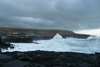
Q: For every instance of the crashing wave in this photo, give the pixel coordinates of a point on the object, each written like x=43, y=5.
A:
x=93, y=37
x=57, y=36
x=60, y=44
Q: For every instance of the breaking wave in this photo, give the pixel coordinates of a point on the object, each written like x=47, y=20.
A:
x=59, y=44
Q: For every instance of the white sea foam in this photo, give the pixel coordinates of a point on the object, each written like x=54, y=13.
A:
x=59, y=44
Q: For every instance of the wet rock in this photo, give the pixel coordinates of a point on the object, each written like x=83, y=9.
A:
x=4, y=45
x=56, y=59
x=5, y=58
x=15, y=63
x=9, y=61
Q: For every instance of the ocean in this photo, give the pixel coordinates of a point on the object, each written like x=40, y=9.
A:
x=89, y=45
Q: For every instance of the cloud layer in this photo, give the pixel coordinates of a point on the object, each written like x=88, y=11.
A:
x=50, y=14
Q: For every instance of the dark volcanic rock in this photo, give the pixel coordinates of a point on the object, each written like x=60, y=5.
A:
x=56, y=59
x=19, y=40
x=8, y=61
x=83, y=36
x=4, y=45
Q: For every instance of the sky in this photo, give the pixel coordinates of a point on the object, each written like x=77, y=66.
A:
x=75, y=15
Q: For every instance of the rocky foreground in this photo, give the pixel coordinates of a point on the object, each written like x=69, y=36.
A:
x=48, y=59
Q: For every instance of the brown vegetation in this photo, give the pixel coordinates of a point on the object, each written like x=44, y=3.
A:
x=37, y=32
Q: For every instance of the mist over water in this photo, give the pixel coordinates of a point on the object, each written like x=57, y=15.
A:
x=59, y=44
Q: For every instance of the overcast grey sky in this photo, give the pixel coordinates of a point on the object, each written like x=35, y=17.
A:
x=50, y=14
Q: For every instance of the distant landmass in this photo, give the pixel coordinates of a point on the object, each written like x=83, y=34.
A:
x=39, y=34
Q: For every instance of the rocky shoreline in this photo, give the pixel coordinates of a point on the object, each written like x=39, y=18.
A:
x=46, y=58
x=4, y=45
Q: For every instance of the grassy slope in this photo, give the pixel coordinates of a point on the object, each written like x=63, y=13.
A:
x=37, y=32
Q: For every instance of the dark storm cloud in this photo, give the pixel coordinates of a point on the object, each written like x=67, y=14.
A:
x=52, y=14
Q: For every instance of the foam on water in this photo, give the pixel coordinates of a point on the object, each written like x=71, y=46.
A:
x=59, y=44
x=57, y=36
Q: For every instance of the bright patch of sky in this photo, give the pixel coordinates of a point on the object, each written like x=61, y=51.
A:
x=91, y=32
